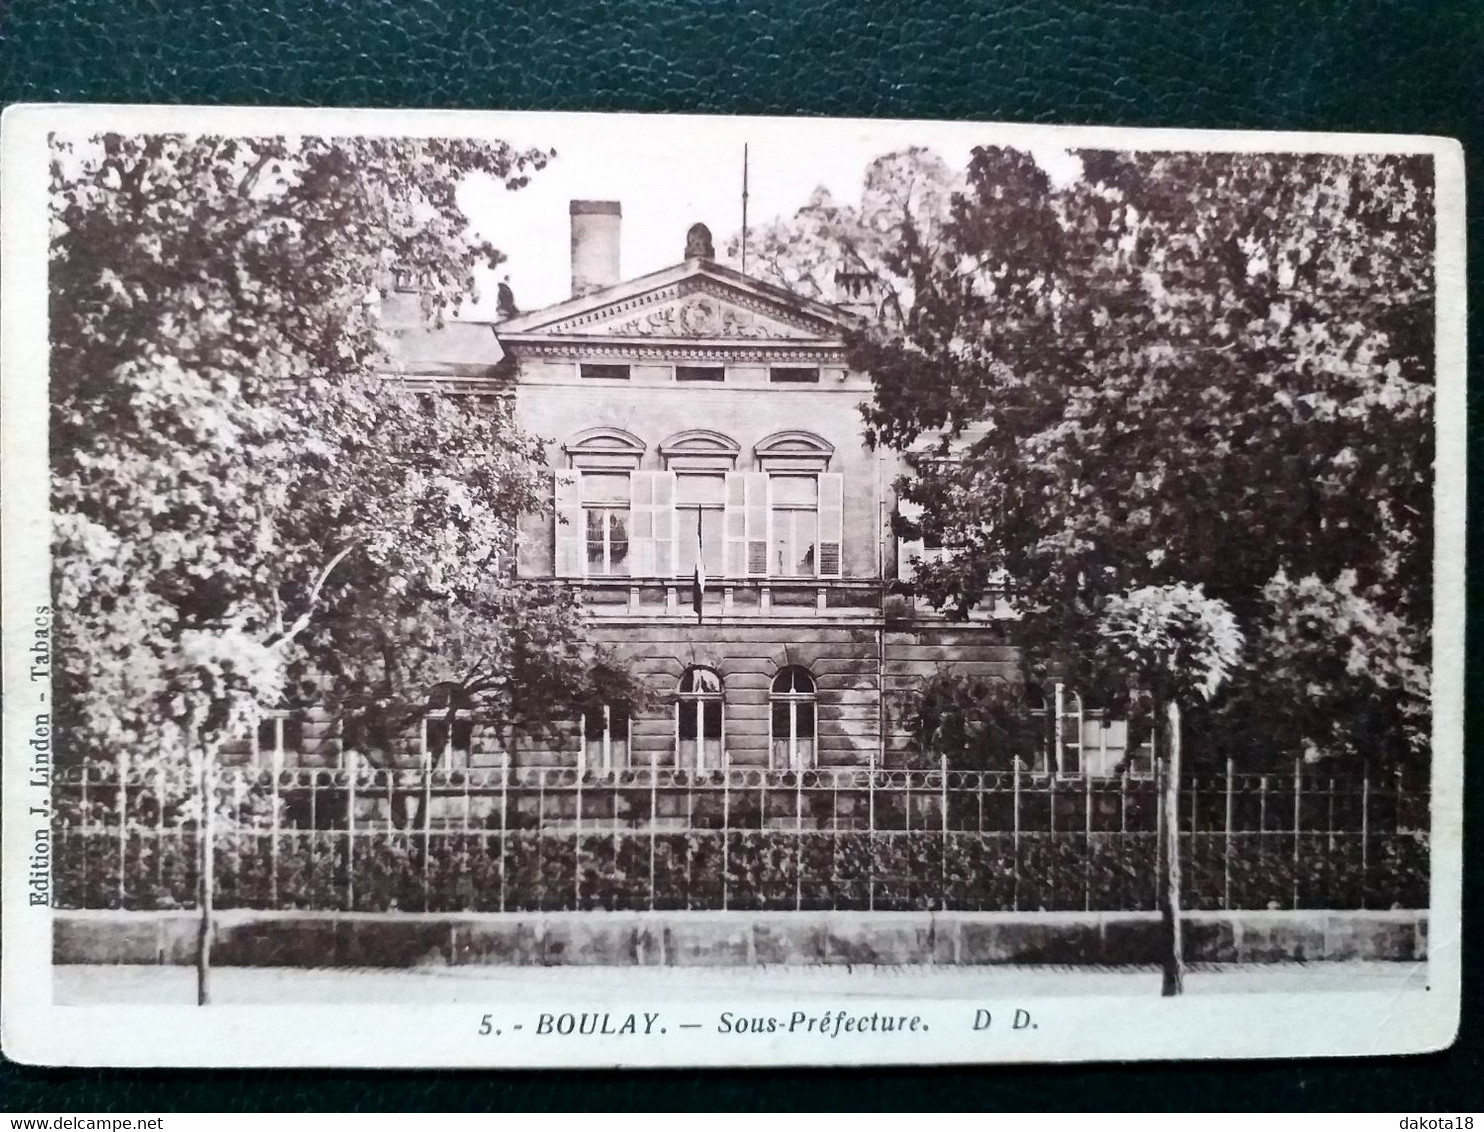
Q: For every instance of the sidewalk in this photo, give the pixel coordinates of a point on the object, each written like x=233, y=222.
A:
x=436, y=986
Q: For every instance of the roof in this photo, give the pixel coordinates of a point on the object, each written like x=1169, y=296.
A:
x=695, y=301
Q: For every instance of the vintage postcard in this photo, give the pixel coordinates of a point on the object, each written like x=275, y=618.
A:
x=495, y=589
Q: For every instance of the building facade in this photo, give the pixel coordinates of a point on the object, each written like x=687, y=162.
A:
x=714, y=501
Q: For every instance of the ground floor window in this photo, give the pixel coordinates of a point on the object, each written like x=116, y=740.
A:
x=792, y=717
x=278, y=735
x=1061, y=724
x=605, y=739
x=699, y=742
x=448, y=729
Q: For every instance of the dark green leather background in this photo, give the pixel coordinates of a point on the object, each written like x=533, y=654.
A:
x=1299, y=64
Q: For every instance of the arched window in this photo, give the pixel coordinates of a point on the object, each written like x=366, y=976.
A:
x=448, y=728
x=698, y=721
x=595, y=503
x=701, y=461
x=605, y=739
x=805, y=505
x=793, y=719
x=279, y=735
x=1061, y=714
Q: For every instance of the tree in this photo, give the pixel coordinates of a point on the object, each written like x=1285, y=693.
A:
x=973, y=722
x=248, y=504
x=1185, y=368
x=847, y=253
x=1175, y=646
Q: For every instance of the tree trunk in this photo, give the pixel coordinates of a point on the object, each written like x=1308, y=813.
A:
x=205, y=867
x=1174, y=957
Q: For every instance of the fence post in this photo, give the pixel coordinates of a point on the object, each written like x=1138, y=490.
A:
x=1159, y=823
x=726, y=831
x=1365, y=836
x=1086, y=841
x=86, y=825
x=1123, y=810
x=654, y=817
x=1123, y=819
x=907, y=792
x=159, y=829
x=834, y=840
x=1015, y=835
x=504, y=821
x=690, y=838
x=275, y=822
x=1051, y=804
x=1329, y=820
x=1226, y=858
x=871, y=840
x=205, y=864
x=798, y=839
x=466, y=855
x=427, y=830
x=541, y=836
x=943, y=770
x=577, y=848
x=123, y=803
x=352, y=769
x=1298, y=786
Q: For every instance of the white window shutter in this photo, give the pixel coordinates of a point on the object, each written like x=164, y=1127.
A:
x=734, y=525
x=664, y=524
x=759, y=522
x=570, y=559
x=831, y=520
x=641, y=524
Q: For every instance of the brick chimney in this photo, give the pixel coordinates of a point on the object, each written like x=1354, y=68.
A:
x=595, y=225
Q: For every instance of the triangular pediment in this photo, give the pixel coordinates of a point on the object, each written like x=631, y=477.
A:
x=695, y=300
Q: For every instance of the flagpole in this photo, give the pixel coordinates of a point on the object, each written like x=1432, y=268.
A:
x=744, y=208
x=698, y=581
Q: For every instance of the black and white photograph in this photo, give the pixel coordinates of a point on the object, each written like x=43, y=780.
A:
x=603, y=589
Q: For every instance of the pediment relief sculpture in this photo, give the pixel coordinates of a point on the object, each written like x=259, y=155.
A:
x=696, y=315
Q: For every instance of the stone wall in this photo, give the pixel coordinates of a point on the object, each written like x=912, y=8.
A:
x=733, y=939
x=850, y=664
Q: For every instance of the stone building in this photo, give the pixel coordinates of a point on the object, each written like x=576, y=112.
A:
x=714, y=500
x=699, y=412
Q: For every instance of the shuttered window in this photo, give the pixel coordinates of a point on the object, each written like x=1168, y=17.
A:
x=571, y=528
x=805, y=525
x=746, y=524
x=652, y=524
x=605, y=513
x=831, y=524
x=794, y=502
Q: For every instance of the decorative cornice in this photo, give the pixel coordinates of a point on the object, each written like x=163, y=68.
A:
x=570, y=324
x=685, y=288
x=793, y=442
x=780, y=311
x=741, y=350
x=605, y=438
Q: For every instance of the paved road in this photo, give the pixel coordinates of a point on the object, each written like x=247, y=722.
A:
x=432, y=986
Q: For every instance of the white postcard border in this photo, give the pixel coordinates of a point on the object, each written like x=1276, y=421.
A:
x=1065, y=1029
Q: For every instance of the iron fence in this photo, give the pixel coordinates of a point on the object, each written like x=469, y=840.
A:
x=890, y=840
